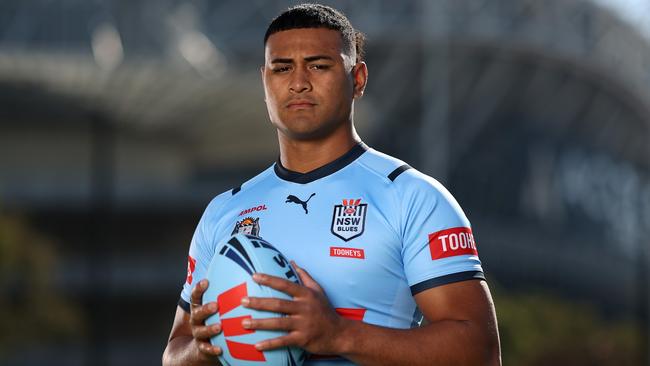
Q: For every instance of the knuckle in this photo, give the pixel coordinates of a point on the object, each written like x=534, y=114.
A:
x=276, y=304
x=304, y=308
x=196, y=292
x=271, y=343
x=287, y=286
x=201, y=347
x=285, y=323
x=301, y=342
x=206, y=348
x=252, y=302
x=196, y=332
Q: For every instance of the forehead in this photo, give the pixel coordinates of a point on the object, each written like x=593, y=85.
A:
x=304, y=42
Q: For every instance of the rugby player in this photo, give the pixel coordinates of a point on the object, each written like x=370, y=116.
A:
x=388, y=262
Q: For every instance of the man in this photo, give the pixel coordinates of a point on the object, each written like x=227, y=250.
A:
x=376, y=243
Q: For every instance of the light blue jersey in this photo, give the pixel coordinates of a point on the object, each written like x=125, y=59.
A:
x=372, y=231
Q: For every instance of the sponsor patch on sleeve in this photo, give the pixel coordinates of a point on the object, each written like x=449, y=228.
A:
x=191, y=265
x=452, y=242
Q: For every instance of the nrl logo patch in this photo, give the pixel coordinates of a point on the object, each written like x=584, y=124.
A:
x=248, y=226
x=349, y=219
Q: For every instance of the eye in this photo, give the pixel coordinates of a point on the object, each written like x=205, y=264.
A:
x=319, y=67
x=280, y=69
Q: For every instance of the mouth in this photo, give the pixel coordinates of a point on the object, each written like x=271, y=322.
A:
x=300, y=104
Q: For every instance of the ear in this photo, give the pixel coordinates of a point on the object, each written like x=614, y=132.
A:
x=360, y=78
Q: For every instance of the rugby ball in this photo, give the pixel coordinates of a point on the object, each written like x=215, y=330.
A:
x=230, y=275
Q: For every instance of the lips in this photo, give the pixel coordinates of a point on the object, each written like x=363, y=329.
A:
x=300, y=104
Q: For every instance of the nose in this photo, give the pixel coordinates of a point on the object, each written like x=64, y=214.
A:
x=300, y=81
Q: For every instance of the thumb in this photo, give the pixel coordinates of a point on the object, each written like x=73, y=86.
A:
x=306, y=279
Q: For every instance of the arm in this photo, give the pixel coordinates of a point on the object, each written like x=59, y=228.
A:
x=189, y=340
x=461, y=330
x=462, y=326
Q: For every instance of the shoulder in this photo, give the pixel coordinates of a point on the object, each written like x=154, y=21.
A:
x=224, y=198
x=256, y=181
x=412, y=187
x=383, y=166
x=401, y=175
x=415, y=183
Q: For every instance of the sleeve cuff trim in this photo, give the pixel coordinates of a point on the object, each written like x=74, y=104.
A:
x=184, y=305
x=444, y=280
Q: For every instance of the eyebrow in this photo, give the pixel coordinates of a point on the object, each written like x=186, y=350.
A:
x=308, y=59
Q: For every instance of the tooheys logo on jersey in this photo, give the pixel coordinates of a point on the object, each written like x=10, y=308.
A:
x=452, y=242
x=349, y=219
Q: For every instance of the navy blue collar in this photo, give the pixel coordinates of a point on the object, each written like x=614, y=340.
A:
x=325, y=170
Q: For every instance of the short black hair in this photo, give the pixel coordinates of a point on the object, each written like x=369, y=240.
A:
x=319, y=16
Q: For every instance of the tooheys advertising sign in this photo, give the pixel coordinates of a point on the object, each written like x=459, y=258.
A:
x=349, y=219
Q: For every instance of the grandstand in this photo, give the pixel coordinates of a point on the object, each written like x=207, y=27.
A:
x=120, y=120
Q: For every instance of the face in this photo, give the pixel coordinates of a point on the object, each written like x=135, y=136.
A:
x=310, y=82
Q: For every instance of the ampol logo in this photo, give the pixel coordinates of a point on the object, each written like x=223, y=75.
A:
x=253, y=209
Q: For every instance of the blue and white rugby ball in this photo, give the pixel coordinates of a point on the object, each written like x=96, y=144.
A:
x=230, y=275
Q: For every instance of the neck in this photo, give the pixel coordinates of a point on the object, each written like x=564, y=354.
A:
x=303, y=156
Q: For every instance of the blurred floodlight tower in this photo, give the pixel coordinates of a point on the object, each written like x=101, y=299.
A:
x=107, y=47
x=201, y=54
x=193, y=45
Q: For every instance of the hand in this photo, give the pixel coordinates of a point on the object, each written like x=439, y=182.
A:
x=311, y=322
x=200, y=331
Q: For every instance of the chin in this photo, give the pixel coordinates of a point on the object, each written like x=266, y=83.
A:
x=304, y=129
x=307, y=133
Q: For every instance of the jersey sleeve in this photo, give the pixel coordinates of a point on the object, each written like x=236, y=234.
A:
x=201, y=250
x=438, y=244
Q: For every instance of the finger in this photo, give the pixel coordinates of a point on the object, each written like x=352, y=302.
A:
x=271, y=304
x=278, y=283
x=206, y=331
x=200, y=313
x=306, y=278
x=281, y=323
x=197, y=292
x=284, y=341
x=208, y=349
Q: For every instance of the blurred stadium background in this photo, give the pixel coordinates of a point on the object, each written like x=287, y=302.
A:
x=119, y=120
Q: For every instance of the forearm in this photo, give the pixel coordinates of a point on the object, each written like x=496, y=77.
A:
x=448, y=342
x=183, y=351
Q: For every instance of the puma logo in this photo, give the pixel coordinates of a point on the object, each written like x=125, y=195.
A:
x=294, y=199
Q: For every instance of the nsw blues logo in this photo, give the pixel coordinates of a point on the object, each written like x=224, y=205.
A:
x=349, y=219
